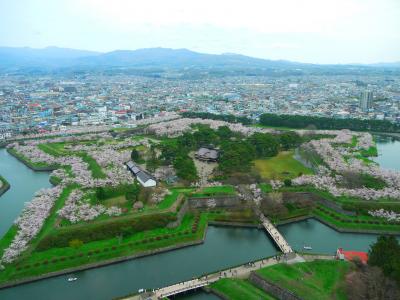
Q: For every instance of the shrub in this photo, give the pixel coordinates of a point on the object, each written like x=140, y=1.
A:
x=287, y=182
x=75, y=243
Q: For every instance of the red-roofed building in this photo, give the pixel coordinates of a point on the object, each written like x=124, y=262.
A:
x=350, y=255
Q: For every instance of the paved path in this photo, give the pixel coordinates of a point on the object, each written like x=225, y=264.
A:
x=242, y=271
x=276, y=235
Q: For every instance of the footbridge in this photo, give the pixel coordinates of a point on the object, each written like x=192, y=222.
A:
x=241, y=271
x=276, y=235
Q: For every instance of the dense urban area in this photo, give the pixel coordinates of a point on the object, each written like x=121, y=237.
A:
x=47, y=103
x=136, y=184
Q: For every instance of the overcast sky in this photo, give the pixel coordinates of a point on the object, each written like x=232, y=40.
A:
x=317, y=31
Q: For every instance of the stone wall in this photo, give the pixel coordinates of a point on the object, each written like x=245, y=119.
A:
x=272, y=288
x=303, y=196
x=181, y=213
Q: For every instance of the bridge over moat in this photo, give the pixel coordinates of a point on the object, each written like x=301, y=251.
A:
x=276, y=235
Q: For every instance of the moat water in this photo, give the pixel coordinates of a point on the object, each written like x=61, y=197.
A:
x=223, y=247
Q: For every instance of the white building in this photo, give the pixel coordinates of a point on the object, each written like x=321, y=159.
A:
x=143, y=177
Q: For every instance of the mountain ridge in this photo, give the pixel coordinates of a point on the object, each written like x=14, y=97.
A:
x=57, y=57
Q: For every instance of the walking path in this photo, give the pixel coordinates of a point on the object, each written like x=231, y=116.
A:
x=276, y=235
x=242, y=271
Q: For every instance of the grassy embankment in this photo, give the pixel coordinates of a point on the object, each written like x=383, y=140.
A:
x=359, y=222
x=4, y=185
x=33, y=165
x=34, y=262
x=239, y=289
x=223, y=190
x=58, y=149
x=281, y=167
x=316, y=280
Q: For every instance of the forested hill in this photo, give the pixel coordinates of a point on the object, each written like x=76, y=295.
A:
x=298, y=121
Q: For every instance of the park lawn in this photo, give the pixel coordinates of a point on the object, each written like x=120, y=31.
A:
x=57, y=150
x=265, y=187
x=316, y=280
x=239, y=289
x=55, y=259
x=280, y=167
x=119, y=201
x=365, y=160
x=372, y=151
x=54, y=149
x=215, y=190
x=94, y=167
x=283, y=128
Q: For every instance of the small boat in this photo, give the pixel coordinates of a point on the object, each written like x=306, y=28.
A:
x=70, y=279
x=307, y=247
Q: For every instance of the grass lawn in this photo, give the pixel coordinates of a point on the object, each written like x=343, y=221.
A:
x=316, y=280
x=354, y=222
x=280, y=167
x=41, y=262
x=265, y=187
x=57, y=150
x=215, y=190
x=372, y=151
x=94, y=167
x=239, y=289
x=119, y=201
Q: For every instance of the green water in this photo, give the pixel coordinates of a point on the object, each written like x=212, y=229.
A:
x=223, y=247
x=388, y=152
x=24, y=183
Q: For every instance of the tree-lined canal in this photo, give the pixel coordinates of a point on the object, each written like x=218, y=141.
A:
x=23, y=184
x=223, y=247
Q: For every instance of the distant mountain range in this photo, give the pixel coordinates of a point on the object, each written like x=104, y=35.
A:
x=54, y=57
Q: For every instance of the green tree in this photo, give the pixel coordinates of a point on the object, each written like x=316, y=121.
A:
x=133, y=193
x=236, y=156
x=385, y=253
x=204, y=136
x=185, y=168
x=135, y=155
x=289, y=140
x=265, y=144
x=187, y=141
x=100, y=193
x=224, y=132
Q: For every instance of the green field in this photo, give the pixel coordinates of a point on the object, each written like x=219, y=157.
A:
x=280, y=167
x=316, y=280
x=214, y=191
x=58, y=149
x=239, y=289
